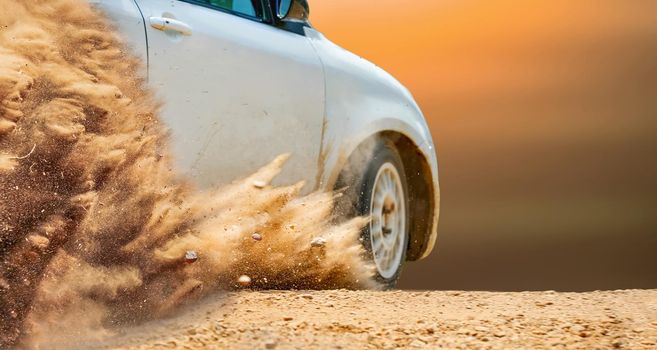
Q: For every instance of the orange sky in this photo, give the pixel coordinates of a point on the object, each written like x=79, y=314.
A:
x=470, y=44
x=543, y=114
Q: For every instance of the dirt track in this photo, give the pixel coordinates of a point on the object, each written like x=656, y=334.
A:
x=396, y=319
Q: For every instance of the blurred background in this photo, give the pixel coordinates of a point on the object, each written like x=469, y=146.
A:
x=544, y=114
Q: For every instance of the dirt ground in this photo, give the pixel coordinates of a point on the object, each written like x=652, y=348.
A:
x=398, y=319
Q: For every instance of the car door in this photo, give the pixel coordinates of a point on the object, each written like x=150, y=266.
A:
x=237, y=92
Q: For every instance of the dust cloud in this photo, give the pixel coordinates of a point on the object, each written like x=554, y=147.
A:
x=96, y=229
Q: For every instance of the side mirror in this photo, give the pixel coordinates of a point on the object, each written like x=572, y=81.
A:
x=295, y=10
x=283, y=8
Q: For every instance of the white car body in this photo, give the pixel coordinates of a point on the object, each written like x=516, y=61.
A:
x=237, y=92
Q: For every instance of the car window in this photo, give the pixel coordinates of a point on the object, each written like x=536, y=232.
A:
x=245, y=7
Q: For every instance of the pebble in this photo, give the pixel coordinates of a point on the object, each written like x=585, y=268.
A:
x=617, y=343
x=543, y=304
x=256, y=237
x=417, y=344
x=244, y=281
x=318, y=242
x=259, y=184
x=191, y=257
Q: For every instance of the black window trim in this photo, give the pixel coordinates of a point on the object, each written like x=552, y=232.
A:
x=269, y=16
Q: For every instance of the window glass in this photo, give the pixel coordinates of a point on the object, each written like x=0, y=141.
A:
x=245, y=7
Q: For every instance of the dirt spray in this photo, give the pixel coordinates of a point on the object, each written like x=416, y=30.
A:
x=95, y=223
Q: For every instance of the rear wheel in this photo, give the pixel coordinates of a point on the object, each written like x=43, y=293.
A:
x=379, y=191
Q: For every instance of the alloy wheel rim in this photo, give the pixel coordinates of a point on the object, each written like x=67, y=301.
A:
x=388, y=220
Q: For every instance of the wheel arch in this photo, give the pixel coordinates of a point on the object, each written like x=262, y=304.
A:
x=423, y=189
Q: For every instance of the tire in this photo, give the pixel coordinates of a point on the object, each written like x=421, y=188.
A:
x=379, y=190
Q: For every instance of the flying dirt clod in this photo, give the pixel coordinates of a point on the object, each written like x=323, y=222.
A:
x=94, y=220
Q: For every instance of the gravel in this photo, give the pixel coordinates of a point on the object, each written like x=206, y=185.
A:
x=411, y=320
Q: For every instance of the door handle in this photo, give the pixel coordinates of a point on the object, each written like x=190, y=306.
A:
x=162, y=23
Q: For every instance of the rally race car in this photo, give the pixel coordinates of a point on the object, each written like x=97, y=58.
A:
x=243, y=81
